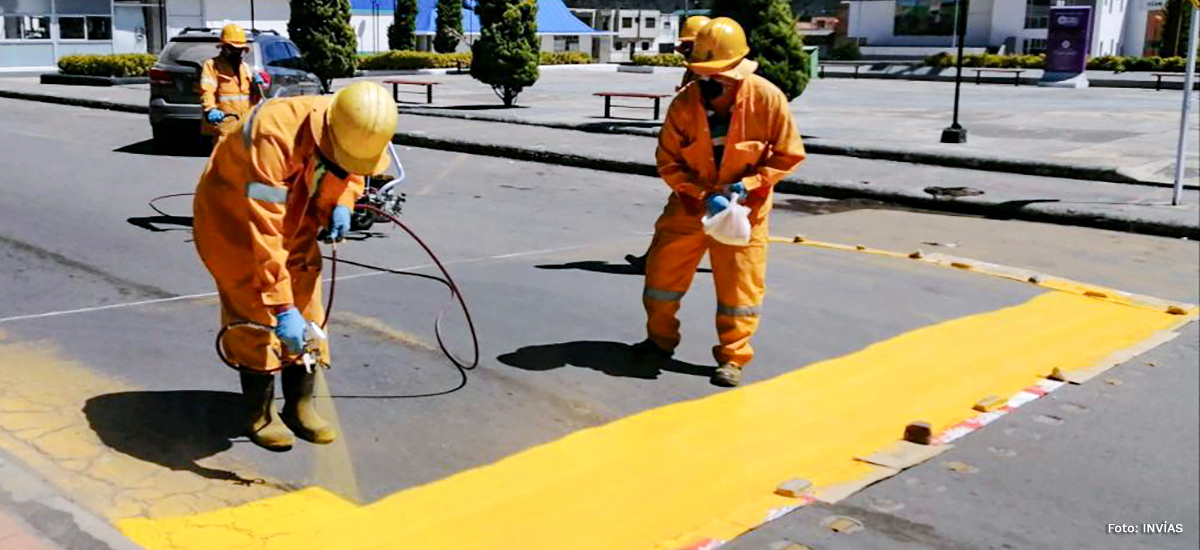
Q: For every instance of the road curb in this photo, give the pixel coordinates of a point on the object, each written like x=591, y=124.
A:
x=77, y=102
x=819, y=146
x=801, y=186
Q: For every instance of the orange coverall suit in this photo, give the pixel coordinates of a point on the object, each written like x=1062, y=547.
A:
x=222, y=87
x=260, y=204
x=761, y=147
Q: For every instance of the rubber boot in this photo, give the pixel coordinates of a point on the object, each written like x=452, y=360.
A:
x=263, y=425
x=728, y=375
x=299, y=408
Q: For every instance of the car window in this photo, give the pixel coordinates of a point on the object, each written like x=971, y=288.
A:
x=189, y=52
x=283, y=54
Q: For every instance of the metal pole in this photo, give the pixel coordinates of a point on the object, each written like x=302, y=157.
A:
x=956, y=133
x=252, y=15
x=1188, y=83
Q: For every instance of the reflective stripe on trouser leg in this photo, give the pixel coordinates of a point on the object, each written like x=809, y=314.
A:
x=739, y=274
x=679, y=245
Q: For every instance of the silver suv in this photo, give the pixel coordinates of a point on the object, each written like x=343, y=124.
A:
x=175, y=78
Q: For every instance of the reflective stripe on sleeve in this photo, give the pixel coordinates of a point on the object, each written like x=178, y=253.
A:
x=266, y=193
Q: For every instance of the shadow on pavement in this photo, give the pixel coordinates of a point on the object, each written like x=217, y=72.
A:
x=599, y=266
x=184, y=149
x=173, y=429
x=151, y=223
x=611, y=358
x=413, y=106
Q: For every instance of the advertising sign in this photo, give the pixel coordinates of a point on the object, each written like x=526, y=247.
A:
x=1068, y=38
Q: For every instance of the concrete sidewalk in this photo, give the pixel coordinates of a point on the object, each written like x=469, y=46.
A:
x=1124, y=207
x=1114, y=135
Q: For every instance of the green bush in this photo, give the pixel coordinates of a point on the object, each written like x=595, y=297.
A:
x=940, y=60
x=506, y=55
x=1174, y=64
x=565, y=58
x=1153, y=63
x=118, y=65
x=409, y=60
x=660, y=60
x=1113, y=63
x=322, y=31
x=846, y=51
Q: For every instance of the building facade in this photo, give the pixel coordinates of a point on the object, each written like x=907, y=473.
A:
x=919, y=27
x=630, y=32
x=35, y=33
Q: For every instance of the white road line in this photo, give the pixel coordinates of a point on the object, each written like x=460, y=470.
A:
x=341, y=278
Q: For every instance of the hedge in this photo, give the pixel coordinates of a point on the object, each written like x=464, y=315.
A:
x=113, y=65
x=411, y=60
x=565, y=58
x=1113, y=63
x=660, y=60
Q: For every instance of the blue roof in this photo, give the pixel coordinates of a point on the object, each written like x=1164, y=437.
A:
x=553, y=16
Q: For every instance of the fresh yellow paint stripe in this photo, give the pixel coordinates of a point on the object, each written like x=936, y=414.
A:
x=699, y=469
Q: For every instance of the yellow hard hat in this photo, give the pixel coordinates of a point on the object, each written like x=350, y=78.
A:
x=692, y=27
x=720, y=46
x=360, y=123
x=233, y=35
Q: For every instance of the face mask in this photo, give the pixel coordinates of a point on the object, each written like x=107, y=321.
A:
x=233, y=54
x=711, y=89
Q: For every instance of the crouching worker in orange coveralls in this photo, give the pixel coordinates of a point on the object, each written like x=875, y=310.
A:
x=291, y=167
x=729, y=133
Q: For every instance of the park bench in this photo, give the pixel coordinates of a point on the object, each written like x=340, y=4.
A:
x=856, y=65
x=1015, y=72
x=1158, y=78
x=609, y=95
x=397, y=83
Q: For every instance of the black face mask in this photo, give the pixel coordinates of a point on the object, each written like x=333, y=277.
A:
x=711, y=89
x=233, y=56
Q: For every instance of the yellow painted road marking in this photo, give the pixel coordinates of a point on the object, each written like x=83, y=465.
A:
x=703, y=469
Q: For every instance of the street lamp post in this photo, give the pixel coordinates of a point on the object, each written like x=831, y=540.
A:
x=956, y=133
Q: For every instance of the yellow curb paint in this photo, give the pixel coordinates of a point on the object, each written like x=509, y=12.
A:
x=699, y=469
x=1189, y=311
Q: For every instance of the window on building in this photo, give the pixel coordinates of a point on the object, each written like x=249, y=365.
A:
x=24, y=19
x=1037, y=12
x=626, y=22
x=84, y=19
x=925, y=17
x=618, y=45
x=645, y=46
x=1034, y=46
x=666, y=48
x=650, y=21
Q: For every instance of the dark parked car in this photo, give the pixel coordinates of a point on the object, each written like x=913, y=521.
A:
x=175, y=78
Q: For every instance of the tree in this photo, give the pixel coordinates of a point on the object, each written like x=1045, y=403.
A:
x=401, y=33
x=449, y=25
x=774, y=43
x=322, y=31
x=506, y=54
x=1176, y=29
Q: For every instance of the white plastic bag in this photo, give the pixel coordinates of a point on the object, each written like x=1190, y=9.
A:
x=730, y=226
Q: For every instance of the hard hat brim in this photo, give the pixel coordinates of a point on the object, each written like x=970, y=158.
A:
x=363, y=166
x=709, y=68
x=239, y=45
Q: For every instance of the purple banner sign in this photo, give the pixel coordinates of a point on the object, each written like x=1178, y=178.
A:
x=1068, y=39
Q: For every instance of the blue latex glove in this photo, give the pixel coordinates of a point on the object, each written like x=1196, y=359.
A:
x=739, y=188
x=339, y=223
x=716, y=203
x=214, y=116
x=289, y=327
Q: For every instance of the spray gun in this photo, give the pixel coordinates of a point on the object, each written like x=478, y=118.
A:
x=312, y=348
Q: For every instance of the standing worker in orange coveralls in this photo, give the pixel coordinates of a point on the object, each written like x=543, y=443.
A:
x=729, y=134
x=290, y=168
x=228, y=87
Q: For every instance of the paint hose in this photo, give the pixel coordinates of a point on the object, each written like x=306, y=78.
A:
x=461, y=365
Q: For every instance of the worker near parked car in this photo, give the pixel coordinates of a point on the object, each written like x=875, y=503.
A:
x=290, y=168
x=729, y=136
x=687, y=40
x=229, y=88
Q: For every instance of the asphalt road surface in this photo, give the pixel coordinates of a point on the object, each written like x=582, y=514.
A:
x=114, y=395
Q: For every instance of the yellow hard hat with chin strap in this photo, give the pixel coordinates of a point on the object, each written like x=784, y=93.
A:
x=233, y=35
x=359, y=125
x=721, y=49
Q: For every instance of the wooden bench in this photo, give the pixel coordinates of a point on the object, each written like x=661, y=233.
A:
x=609, y=95
x=397, y=83
x=856, y=65
x=1015, y=72
x=1158, y=78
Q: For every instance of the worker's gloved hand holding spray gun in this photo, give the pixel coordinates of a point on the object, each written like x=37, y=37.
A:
x=290, y=328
